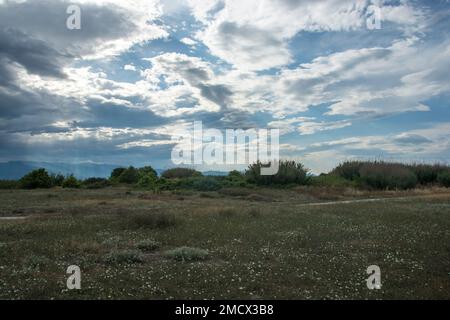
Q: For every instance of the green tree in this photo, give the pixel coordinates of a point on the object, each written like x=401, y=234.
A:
x=36, y=179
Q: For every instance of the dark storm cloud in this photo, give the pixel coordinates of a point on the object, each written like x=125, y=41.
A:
x=118, y=116
x=36, y=56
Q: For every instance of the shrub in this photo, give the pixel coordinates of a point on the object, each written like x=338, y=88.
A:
x=36, y=179
x=124, y=257
x=382, y=175
x=96, y=183
x=187, y=254
x=331, y=180
x=427, y=174
x=348, y=170
x=235, y=179
x=71, y=183
x=129, y=176
x=57, y=180
x=9, y=184
x=148, y=245
x=206, y=184
x=444, y=179
x=148, y=181
x=289, y=172
x=115, y=174
x=144, y=171
x=180, y=173
x=153, y=220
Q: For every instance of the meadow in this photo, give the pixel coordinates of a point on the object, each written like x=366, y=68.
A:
x=305, y=242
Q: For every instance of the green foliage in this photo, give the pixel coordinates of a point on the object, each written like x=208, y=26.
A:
x=148, y=170
x=36, y=179
x=387, y=175
x=9, y=184
x=115, y=174
x=96, y=183
x=348, y=170
x=290, y=172
x=179, y=173
x=331, y=180
x=71, y=183
x=235, y=179
x=444, y=179
x=57, y=180
x=148, y=245
x=206, y=184
x=129, y=176
x=382, y=175
x=148, y=181
x=426, y=173
x=187, y=254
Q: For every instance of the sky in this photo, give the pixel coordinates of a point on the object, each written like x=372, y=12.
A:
x=116, y=90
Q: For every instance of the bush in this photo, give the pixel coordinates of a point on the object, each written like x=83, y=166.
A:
x=115, y=174
x=36, y=179
x=187, y=254
x=444, y=179
x=331, y=180
x=179, y=173
x=206, y=184
x=96, y=183
x=148, y=245
x=57, y=180
x=145, y=171
x=235, y=179
x=148, y=181
x=348, y=170
x=124, y=257
x=71, y=183
x=9, y=184
x=129, y=176
x=382, y=175
x=427, y=174
x=289, y=172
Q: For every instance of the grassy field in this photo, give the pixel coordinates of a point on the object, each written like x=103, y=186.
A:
x=250, y=244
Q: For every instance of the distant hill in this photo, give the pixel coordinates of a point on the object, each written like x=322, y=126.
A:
x=14, y=170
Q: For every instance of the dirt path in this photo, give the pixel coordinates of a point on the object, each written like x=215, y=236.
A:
x=371, y=200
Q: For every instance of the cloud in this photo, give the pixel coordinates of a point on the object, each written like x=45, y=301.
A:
x=108, y=27
x=254, y=35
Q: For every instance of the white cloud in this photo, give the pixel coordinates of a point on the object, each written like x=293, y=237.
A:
x=254, y=34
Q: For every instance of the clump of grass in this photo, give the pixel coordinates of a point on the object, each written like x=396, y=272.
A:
x=124, y=257
x=153, y=221
x=227, y=212
x=148, y=245
x=36, y=262
x=187, y=254
x=254, y=213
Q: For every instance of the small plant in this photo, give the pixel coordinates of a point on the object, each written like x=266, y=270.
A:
x=148, y=245
x=71, y=182
x=187, y=254
x=124, y=257
x=153, y=220
x=227, y=212
x=254, y=213
x=36, y=262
